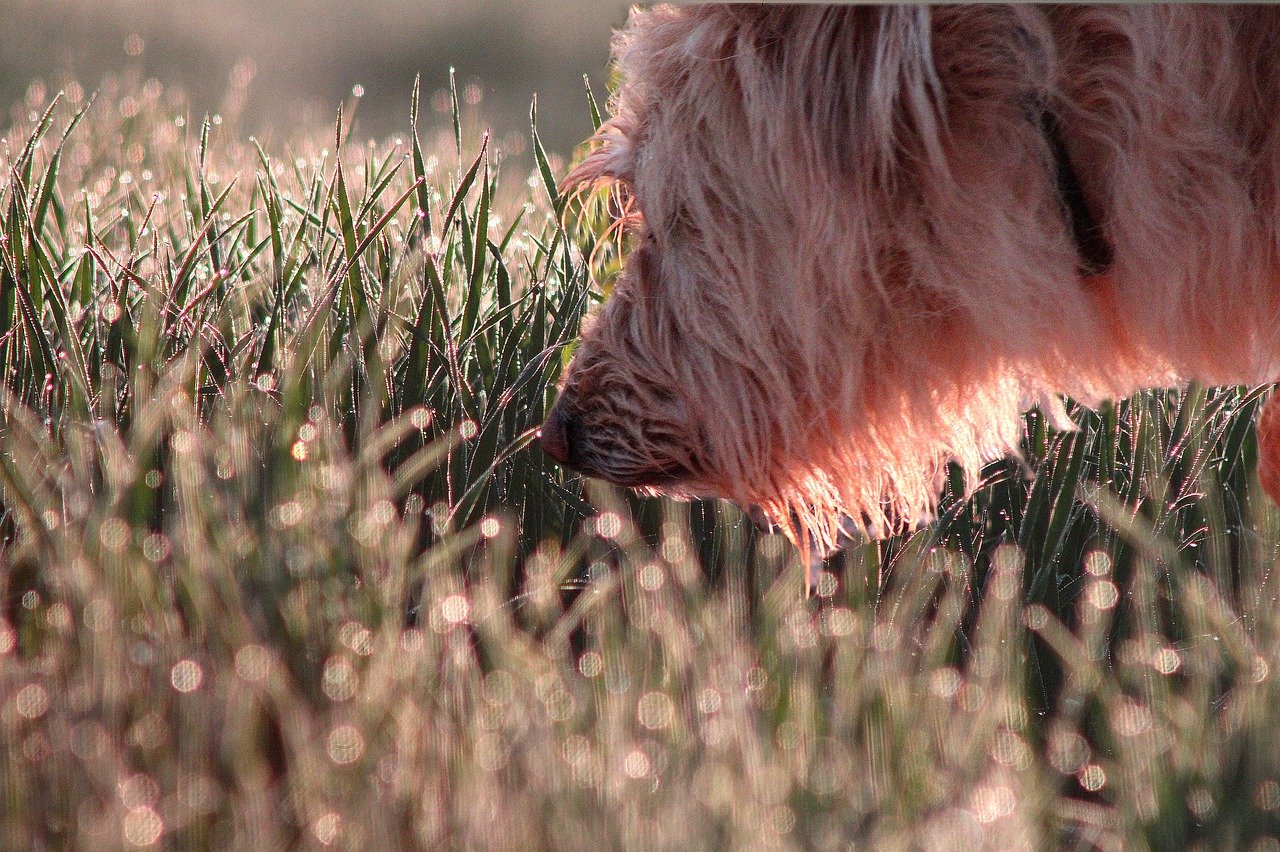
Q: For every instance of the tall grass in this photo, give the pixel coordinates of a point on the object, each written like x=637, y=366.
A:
x=279, y=567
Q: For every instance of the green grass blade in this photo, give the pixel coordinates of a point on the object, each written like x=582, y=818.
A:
x=544, y=164
x=464, y=187
x=596, y=121
x=478, y=254
x=419, y=162
x=456, y=112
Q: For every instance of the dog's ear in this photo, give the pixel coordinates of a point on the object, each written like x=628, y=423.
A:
x=612, y=159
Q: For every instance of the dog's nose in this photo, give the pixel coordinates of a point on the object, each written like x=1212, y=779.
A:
x=554, y=436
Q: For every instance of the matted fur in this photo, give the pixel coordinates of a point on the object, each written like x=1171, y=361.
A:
x=851, y=264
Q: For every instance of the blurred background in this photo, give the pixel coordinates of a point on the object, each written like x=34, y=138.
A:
x=287, y=64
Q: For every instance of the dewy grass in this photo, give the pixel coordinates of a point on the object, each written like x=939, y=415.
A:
x=279, y=567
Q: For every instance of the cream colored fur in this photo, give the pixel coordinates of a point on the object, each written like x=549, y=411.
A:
x=851, y=264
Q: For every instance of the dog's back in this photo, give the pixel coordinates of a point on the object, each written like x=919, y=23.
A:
x=1173, y=124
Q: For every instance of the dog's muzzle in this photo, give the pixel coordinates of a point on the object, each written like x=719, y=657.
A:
x=566, y=439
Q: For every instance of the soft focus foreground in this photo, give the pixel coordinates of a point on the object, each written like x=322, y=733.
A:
x=279, y=567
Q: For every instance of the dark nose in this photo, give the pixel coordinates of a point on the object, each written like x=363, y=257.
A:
x=554, y=436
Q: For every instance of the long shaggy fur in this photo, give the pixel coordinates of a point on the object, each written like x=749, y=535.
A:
x=851, y=263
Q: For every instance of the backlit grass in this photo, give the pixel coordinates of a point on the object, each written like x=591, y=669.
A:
x=280, y=568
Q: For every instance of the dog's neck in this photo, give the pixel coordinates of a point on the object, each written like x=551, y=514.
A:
x=1092, y=246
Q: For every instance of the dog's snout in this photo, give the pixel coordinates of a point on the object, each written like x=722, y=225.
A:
x=554, y=436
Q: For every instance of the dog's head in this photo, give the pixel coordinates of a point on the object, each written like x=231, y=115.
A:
x=788, y=330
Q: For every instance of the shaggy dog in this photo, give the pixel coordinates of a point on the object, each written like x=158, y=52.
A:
x=867, y=239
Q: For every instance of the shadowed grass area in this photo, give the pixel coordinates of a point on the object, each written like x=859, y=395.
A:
x=278, y=567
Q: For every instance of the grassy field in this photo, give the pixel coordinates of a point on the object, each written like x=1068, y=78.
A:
x=279, y=568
